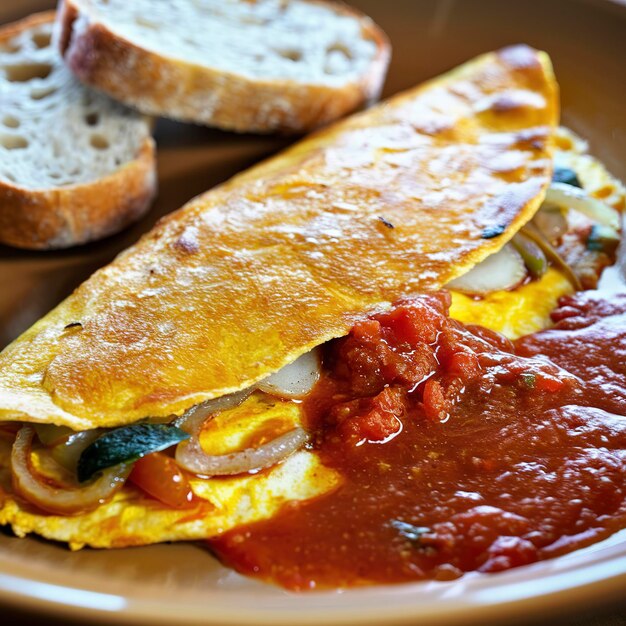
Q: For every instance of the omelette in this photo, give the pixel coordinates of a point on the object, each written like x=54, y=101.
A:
x=191, y=353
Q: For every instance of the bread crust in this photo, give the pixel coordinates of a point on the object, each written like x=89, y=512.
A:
x=61, y=217
x=159, y=85
x=48, y=219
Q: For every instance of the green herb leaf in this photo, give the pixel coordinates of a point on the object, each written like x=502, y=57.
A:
x=529, y=379
x=533, y=233
x=567, y=176
x=602, y=239
x=410, y=532
x=493, y=231
x=126, y=444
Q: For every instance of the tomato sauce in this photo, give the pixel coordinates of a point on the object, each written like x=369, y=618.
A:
x=589, y=340
x=458, y=451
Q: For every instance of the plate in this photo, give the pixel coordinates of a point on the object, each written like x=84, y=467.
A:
x=183, y=583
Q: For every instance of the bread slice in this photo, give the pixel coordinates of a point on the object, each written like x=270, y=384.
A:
x=74, y=165
x=243, y=65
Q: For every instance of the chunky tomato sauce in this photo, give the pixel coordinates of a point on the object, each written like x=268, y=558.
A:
x=458, y=450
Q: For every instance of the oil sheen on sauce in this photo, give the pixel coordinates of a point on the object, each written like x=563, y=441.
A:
x=459, y=451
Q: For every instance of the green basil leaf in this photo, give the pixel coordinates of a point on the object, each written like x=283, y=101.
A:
x=567, y=176
x=602, y=239
x=126, y=444
x=409, y=531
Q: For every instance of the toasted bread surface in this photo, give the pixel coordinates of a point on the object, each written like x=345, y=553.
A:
x=74, y=165
x=250, y=67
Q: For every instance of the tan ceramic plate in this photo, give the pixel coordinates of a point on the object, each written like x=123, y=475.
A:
x=183, y=583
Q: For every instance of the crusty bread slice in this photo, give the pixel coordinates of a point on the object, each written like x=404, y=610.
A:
x=74, y=165
x=243, y=65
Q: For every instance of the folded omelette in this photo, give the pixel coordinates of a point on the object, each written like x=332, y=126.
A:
x=243, y=280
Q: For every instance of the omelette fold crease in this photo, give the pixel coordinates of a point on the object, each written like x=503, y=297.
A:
x=397, y=200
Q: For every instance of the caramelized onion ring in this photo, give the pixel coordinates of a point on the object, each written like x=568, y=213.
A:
x=551, y=222
x=192, y=420
x=190, y=455
x=60, y=501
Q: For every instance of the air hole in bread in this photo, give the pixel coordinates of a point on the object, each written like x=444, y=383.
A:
x=10, y=121
x=99, y=142
x=42, y=40
x=42, y=92
x=11, y=46
x=27, y=71
x=255, y=19
x=142, y=21
x=339, y=48
x=292, y=55
x=13, y=142
x=91, y=119
x=338, y=59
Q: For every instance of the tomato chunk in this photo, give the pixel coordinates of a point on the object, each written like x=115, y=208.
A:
x=159, y=476
x=371, y=419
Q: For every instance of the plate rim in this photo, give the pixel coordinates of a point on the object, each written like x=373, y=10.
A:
x=483, y=597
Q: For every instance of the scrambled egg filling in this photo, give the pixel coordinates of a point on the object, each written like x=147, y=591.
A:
x=527, y=308
x=514, y=313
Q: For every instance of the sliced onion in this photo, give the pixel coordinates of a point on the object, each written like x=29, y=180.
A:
x=503, y=270
x=533, y=233
x=60, y=501
x=570, y=197
x=292, y=381
x=192, y=420
x=551, y=222
x=534, y=258
x=190, y=456
x=51, y=435
x=65, y=444
x=296, y=379
x=68, y=451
